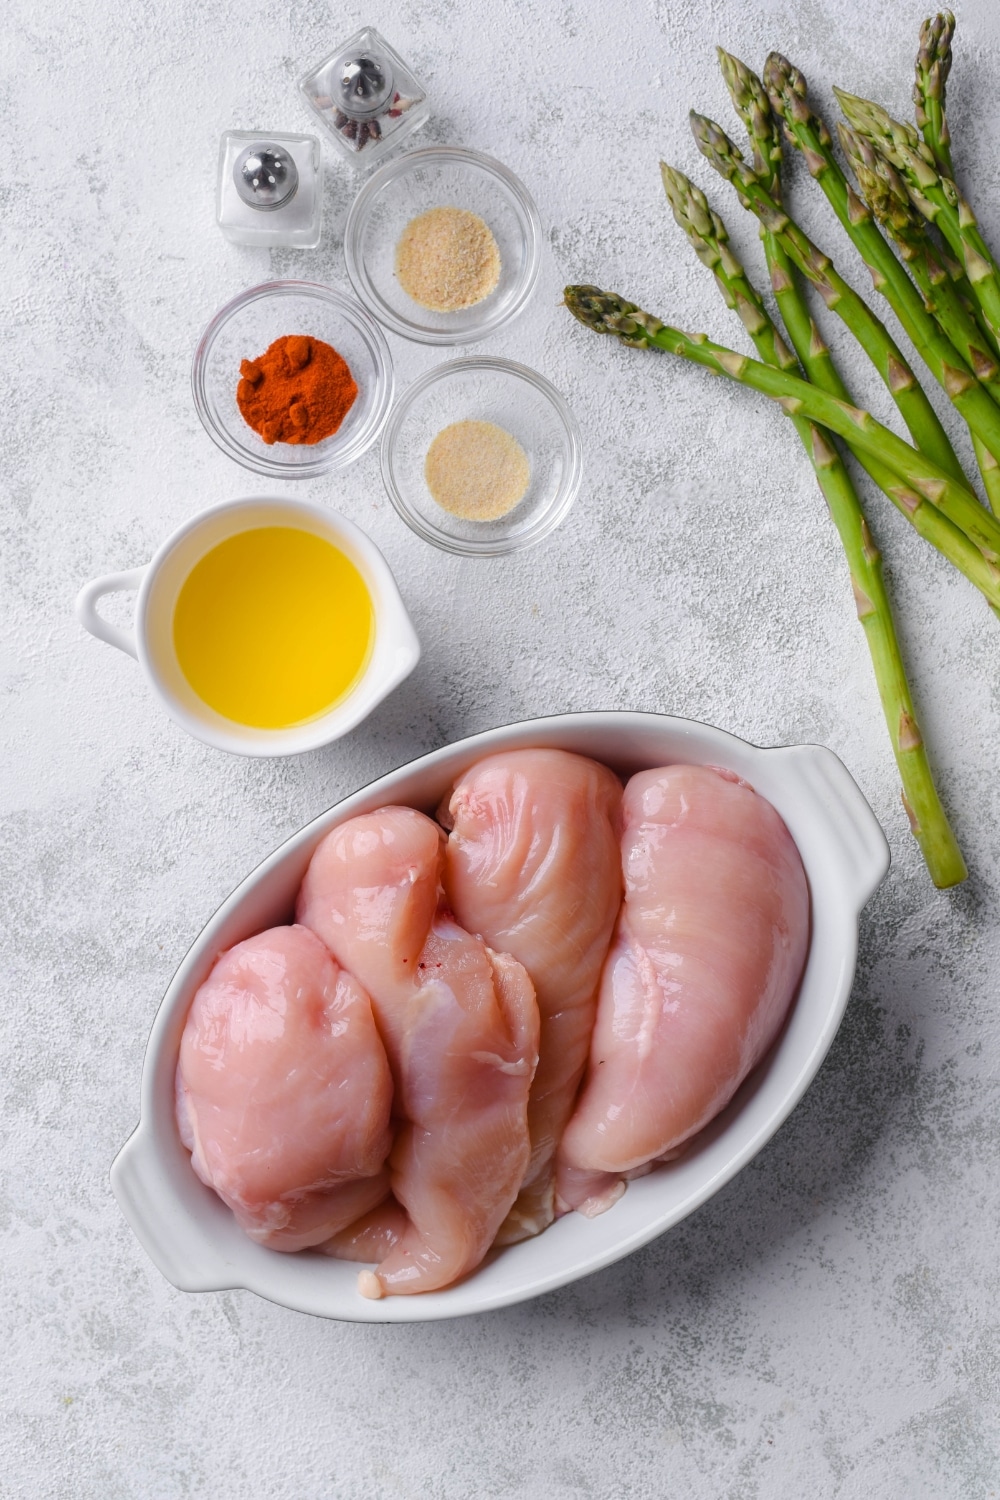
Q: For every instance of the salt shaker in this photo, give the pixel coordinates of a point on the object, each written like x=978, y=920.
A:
x=270, y=189
x=366, y=96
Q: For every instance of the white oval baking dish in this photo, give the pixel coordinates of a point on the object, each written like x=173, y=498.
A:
x=194, y=1240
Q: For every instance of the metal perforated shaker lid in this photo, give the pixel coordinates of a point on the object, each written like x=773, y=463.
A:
x=362, y=84
x=266, y=176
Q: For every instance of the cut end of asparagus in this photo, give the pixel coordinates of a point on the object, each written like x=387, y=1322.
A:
x=943, y=857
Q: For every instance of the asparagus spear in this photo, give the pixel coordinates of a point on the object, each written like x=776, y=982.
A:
x=933, y=66
x=937, y=197
x=606, y=312
x=708, y=236
x=914, y=407
x=753, y=105
x=932, y=69
x=787, y=93
x=989, y=469
x=887, y=198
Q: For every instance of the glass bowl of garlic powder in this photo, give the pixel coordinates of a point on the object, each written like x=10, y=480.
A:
x=443, y=245
x=481, y=457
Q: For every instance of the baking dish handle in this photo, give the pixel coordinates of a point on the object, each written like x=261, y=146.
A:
x=852, y=828
x=174, y=1242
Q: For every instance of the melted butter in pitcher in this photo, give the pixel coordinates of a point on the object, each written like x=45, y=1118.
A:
x=273, y=627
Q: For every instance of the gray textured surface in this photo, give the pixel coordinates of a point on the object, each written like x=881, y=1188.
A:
x=828, y=1325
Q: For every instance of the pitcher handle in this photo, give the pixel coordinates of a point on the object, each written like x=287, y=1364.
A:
x=86, y=608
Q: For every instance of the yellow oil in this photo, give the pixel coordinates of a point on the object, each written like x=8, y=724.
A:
x=273, y=627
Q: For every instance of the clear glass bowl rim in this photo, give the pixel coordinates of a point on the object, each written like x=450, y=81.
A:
x=498, y=545
x=357, y=220
x=333, y=457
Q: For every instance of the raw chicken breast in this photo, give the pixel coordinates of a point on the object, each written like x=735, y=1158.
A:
x=707, y=955
x=369, y=1238
x=533, y=865
x=460, y=1025
x=284, y=1091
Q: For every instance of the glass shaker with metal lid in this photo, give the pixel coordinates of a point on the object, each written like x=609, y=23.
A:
x=366, y=96
x=270, y=189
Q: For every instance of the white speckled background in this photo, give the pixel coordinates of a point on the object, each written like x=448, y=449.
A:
x=828, y=1325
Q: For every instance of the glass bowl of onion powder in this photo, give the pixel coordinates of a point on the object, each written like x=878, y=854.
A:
x=481, y=457
x=443, y=245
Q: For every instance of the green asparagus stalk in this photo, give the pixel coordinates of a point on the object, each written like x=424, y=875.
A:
x=921, y=480
x=885, y=194
x=936, y=196
x=911, y=400
x=787, y=93
x=753, y=105
x=888, y=200
x=932, y=69
x=943, y=301
x=708, y=237
x=817, y=361
x=989, y=470
x=971, y=308
x=927, y=818
x=951, y=367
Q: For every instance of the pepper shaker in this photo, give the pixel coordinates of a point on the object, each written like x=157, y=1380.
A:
x=366, y=96
x=270, y=189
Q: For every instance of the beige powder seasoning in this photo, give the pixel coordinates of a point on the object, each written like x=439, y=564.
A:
x=447, y=259
x=476, y=470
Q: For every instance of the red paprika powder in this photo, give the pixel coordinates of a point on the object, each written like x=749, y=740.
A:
x=298, y=391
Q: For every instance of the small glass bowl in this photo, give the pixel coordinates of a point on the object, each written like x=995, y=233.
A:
x=485, y=390
x=244, y=328
x=437, y=177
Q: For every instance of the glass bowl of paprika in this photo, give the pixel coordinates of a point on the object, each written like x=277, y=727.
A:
x=292, y=379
